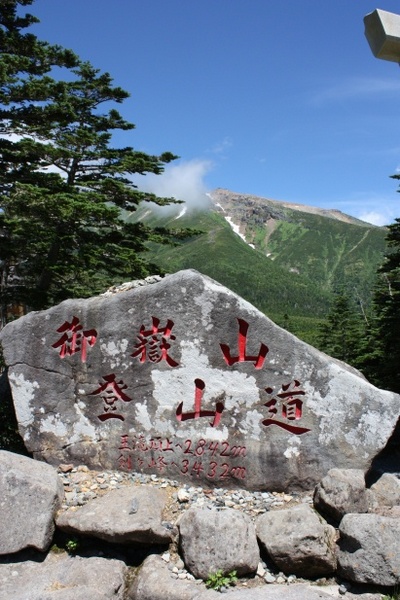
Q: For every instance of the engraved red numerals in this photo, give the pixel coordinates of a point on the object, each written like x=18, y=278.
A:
x=188, y=457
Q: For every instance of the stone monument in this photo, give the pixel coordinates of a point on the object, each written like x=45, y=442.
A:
x=185, y=379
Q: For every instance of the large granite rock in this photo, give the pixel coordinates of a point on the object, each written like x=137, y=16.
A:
x=342, y=491
x=299, y=541
x=369, y=549
x=126, y=515
x=62, y=577
x=154, y=582
x=186, y=379
x=30, y=495
x=208, y=545
x=385, y=492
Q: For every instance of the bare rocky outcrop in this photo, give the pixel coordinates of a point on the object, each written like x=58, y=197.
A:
x=384, y=493
x=154, y=582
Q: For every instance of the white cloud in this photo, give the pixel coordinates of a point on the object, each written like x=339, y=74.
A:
x=356, y=88
x=220, y=148
x=375, y=208
x=375, y=218
x=378, y=210
x=182, y=181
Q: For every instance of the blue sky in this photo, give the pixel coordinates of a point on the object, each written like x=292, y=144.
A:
x=281, y=99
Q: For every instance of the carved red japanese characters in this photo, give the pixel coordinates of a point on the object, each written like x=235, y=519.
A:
x=74, y=339
x=289, y=407
x=153, y=343
x=198, y=411
x=242, y=355
x=188, y=457
x=111, y=391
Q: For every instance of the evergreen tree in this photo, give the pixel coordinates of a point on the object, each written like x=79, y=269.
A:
x=63, y=187
x=387, y=308
x=342, y=333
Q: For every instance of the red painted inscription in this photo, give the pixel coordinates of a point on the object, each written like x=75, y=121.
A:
x=286, y=406
x=198, y=411
x=193, y=457
x=111, y=391
x=74, y=339
x=153, y=344
x=242, y=355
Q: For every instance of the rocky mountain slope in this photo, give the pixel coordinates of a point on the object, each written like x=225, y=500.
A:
x=287, y=259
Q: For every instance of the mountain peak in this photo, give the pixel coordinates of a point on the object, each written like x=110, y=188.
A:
x=227, y=201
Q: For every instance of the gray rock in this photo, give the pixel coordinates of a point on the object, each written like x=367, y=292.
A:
x=31, y=493
x=341, y=491
x=298, y=540
x=369, y=549
x=154, y=582
x=385, y=492
x=62, y=577
x=110, y=517
x=270, y=592
x=186, y=379
x=212, y=540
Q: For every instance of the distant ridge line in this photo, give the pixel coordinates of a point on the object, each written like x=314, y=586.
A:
x=219, y=195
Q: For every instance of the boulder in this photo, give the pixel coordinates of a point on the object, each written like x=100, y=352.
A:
x=154, y=582
x=31, y=493
x=341, y=491
x=270, y=592
x=298, y=540
x=126, y=515
x=63, y=577
x=213, y=540
x=369, y=549
x=385, y=492
x=184, y=378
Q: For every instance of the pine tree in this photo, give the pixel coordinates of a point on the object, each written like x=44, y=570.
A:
x=342, y=333
x=387, y=309
x=64, y=188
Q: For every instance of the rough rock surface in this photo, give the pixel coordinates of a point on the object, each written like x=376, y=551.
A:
x=211, y=540
x=385, y=492
x=299, y=541
x=154, y=582
x=62, y=577
x=340, y=492
x=185, y=378
x=129, y=514
x=29, y=499
x=369, y=549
